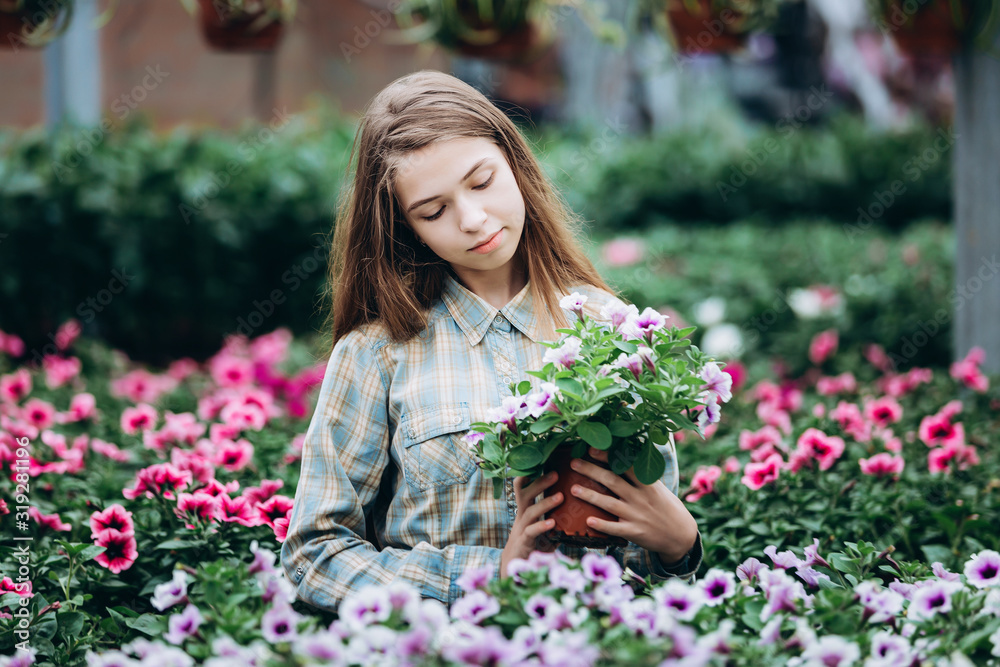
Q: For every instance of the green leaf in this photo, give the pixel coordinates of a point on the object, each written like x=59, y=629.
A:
x=686, y=331
x=524, y=387
x=589, y=411
x=524, y=456
x=649, y=464
x=626, y=347
x=91, y=551
x=623, y=429
x=147, y=624
x=70, y=623
x=936, y=552
x=595, y=434
x=180, y=544
x=498, y=485
x=545, y=423
x=570, y=386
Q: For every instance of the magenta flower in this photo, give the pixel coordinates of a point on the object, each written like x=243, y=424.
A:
x=880, y=604
x=884, y=411
x=110, y=450
x=280, y=624
x=172, y=592
x=703, y=482
x=40, y=414
x=648, y=321
x=472, y=439
x=967, y=371
x=511, y=409
x=184, y=625
x=938, y=430
x=631, y=362
x=15, y=386
x=60, y=370
x=782, y=592
x=369, y=605
x=681, y=600
x=234, y=456
x=159, y=479
x=267, y=489
x=882, y=465
x=197, y=506
x=81, y=406
x=622, y=252
x=564, y=355
x=115, y=516
x=756, y=475
x=140, y=418
x=276, y=507
x=328, y=649
x=50, y=521
x=230, y=371
x=120, y=551
x=784, y=560
x=823, y=346
x=982, y=570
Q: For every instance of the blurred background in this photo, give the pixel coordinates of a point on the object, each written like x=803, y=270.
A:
x=169, y=169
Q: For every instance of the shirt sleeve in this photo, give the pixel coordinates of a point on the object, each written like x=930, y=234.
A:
x=328, y=553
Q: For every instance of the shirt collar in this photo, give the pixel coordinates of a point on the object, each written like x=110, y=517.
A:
x=474, y=315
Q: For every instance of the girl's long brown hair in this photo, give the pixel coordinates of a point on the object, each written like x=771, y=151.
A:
x=377, y=270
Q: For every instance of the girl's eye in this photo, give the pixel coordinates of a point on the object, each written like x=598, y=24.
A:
x=485, y=184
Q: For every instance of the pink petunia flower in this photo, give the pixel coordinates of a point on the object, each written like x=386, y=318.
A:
x=882, y=465
x=823, y=346
x=883, y=411
x=238, y=510
x=756, y=475
x=67, y=333
x=622, y=252
x=968, y=373
x=40, y=414
x=15, y=386
x=231, y=371
x=81, y=406
x=234, y=455
x=114, y=516
x=140, y=418
x=275, y=508
x=59, y=370
x=938, y=430
x=51, y=521
x=11, y=344
x=751, y=440
x=160, y=479
x=268, y=487
x=110, y=450
x=703, y=482
x=199, y=506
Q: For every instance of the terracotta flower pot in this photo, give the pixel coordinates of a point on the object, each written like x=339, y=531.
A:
x=931, y=30
x=237, y=32
x=572, y=513
x=706, y=30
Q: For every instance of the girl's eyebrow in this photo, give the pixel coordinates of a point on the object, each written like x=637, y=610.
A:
x=468, y=174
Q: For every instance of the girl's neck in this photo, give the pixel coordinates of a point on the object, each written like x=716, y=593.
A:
x=496, y=289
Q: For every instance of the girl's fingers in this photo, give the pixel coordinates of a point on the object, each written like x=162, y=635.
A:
x=539, y=528
x=533, y=513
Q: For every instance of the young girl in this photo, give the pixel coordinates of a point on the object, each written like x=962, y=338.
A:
x=450, y=254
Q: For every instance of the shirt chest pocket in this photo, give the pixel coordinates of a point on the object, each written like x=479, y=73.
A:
x=433, y=453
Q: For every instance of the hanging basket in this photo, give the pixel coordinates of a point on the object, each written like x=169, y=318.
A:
x=520, y=46
x=572, y=513
x=930, y=31
x=238, y=32
x=32, y=25
x=705, y=29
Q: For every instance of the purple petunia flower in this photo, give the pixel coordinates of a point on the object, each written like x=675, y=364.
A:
x=782, y=592
x=983, y=569
x=263, y=560
x=600, y=568
x=572, y=580
x=785, y=560
x=542, y=400
x=941, y=573
x=105, y=659
x=322, y=646
x=183, y=625
x=280, y=624
x=368, y=605
x=646, y=618
x=573, y=302
x=475, y=578
x=414, y=644
x=475, y=607
x=648, y=321
x=832, y=651
x=717, y=585
x=616, y=311
x=510, y=410
x=812, y=555
x=630, y=362
x=173, y=592
x=566, y=354
x=749, y=570
x=932, y=599
x=771, y=632
x=680, y=599
x=21, y=658
x=487, y=647
x=472, y=439
x=571, y=649
x=712, y=412
x=717, y=381
x=880, y=604
x=889, y=650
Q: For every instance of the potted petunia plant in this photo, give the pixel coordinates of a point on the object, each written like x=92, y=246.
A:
x=936, y=27
x=242, y=25
x=712, y=26
x=33, y=23
x=622, y=385
x=515, y=32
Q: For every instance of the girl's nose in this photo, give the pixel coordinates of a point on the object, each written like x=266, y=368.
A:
x=472, y=217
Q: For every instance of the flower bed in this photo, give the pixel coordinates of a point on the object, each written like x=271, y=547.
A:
x=155, y=502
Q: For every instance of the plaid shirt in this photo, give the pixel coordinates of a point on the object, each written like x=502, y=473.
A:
x=387, y=490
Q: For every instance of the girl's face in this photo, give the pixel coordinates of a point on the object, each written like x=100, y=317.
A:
x=460, y=198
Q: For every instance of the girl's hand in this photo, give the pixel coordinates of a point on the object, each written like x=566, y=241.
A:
x=528, y=533
x=650, y=516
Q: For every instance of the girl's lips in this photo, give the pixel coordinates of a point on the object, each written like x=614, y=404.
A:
x=490, y=245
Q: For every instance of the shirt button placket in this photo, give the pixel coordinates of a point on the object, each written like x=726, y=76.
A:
x=504, y=352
